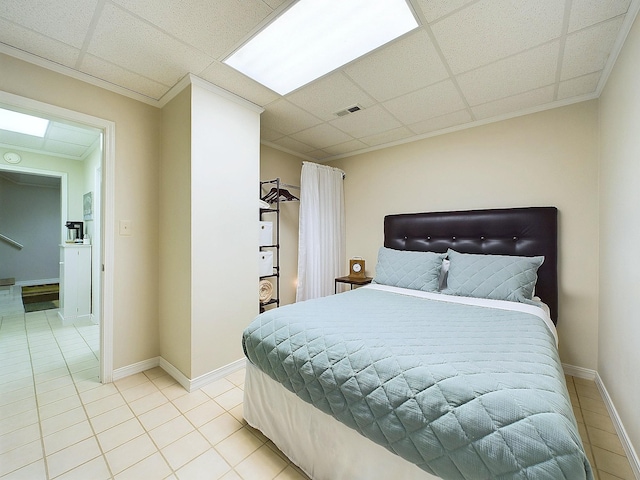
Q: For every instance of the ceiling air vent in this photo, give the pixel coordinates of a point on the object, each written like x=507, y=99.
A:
x=348, y=111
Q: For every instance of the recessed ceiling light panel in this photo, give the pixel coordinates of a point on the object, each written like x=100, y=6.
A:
x=313, y=38
x=23, y=123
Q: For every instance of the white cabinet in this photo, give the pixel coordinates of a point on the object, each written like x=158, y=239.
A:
x=75, y=282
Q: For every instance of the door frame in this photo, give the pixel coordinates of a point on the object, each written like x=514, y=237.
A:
x=107, y=217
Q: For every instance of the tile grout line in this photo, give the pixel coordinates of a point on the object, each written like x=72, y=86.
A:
x=35, y=398
x=586, y=430
x=146, y=432
x=95, y=436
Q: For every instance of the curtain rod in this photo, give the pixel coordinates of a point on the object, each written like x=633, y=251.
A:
x=320, y=165
x=281, y=184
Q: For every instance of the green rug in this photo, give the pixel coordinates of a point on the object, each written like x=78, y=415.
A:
x=40, y=293
x=38, y=306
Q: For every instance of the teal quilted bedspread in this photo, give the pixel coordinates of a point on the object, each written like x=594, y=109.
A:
x=464, y=392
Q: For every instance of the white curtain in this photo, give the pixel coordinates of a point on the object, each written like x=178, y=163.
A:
x=321, y=243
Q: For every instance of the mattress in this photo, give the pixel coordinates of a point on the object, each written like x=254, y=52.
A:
x=462, y=391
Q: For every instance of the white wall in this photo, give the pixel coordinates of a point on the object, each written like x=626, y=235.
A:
x=208, y=227
x=137, y=149
x=30, y=215
x=225, y=167
x=92, y=183
x=175, y=233
x=619, y=339
x=544, y=159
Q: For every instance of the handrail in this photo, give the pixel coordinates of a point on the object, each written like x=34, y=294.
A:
x=11, y=242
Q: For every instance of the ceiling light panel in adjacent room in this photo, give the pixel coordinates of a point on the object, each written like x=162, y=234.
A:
x=23, y=123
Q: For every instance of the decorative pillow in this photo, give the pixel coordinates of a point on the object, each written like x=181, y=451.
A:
x=407, y=269
x=499, y=277
x=444, y=270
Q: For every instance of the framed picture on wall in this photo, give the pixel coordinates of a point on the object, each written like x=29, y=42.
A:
x=87, y=205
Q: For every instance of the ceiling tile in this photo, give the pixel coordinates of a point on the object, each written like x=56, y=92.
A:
x=63, y=133
x=66, y=21
x=387, y=136
x=427, y=103
x=401, y=67
x=490, y=30
x=268, y=134
x=40, y=45
x=286, y=118
x=347, y=147
x=328, y=95
x=515, y=103
x=120, y=76
x=366, y=122
x=583, y=85
x=587, y=51
x=230, y=79
x=64, y=148
x=212, y=27
x=322, y=136
x=20, y=140
x=441, y=122
x=526, y=71
x=318, y=154
x=294, y=145
x=275, y=3
x=157, y=55
x=585, y=13
x=434, y=9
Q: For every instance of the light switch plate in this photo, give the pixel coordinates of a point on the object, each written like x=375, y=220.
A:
x=125, y=227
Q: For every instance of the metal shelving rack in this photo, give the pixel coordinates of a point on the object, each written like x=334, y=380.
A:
x=276, y=264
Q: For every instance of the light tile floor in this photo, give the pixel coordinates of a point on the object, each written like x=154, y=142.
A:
x=57, y=420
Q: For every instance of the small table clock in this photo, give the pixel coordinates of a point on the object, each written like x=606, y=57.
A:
x=356, y=268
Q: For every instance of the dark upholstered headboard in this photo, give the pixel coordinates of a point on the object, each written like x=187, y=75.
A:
x=512, y=231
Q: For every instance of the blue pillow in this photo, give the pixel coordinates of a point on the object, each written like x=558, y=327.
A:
x=498, y=277
x=407, y=269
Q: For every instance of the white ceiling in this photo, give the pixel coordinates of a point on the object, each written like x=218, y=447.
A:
x=470, y=62
x=60, y=140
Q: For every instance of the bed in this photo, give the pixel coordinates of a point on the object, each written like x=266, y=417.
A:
x=417, y=378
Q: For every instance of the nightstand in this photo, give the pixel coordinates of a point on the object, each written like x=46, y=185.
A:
x=351, y=281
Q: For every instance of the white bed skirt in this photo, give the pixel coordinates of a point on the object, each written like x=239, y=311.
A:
x=322, y=447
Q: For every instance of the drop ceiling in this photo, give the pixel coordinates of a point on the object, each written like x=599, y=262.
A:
x=470, y=62
x=61, y=139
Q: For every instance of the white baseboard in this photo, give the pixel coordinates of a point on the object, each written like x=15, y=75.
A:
x=177, y=375
x=613, y=413
x=139, y=367
x=617, y=423
x=203, y=380
x=188, y=384
x=579, y=372
x=217, y=374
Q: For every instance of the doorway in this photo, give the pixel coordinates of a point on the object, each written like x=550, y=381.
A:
x=101, y=213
